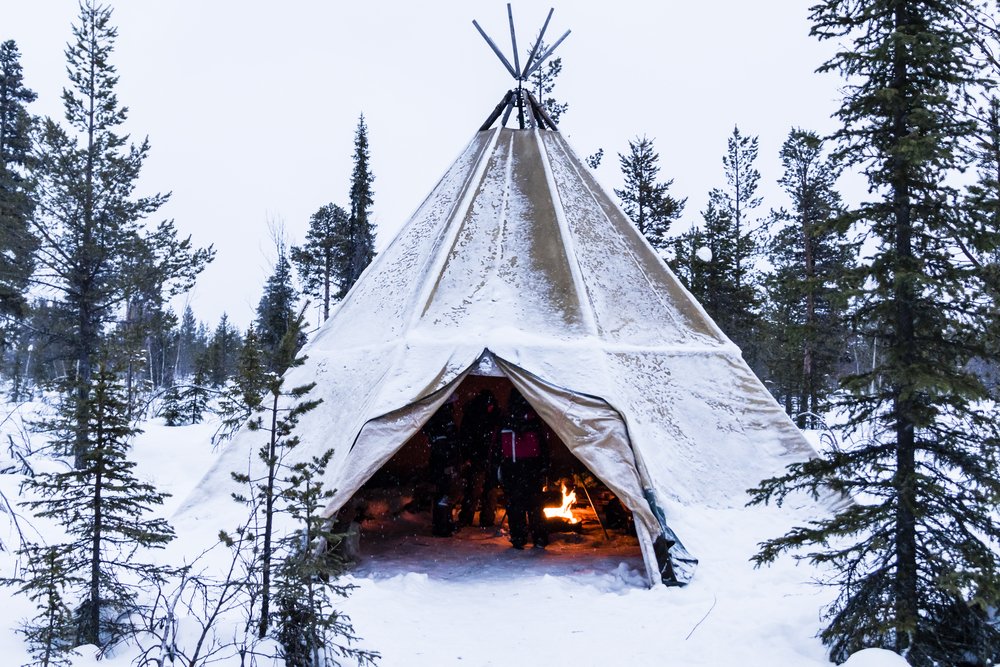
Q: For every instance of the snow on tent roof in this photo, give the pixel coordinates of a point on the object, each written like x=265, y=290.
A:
x=520, y=254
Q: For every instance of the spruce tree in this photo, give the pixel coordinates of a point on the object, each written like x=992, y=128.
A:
x=243, y=393
x=691, y=257
x=156, y=268
x=47, y=331
x=728, y=286
x=275, y=417
x=190, y=344
x=360, y=242
x=543, y=82
x=983, y=196
x=172, y=410
x=187, y=402
x=195, y=396
x=809, y=287
x=17, y=244
x=311, y=632
x=222, y=352
x=647, y=202
x=982, y=205
x=277, y=307
x=594, y=159
x=89, y=220
x=325, y=249
x=103, y=509
x=915, y=554
x=44, y=578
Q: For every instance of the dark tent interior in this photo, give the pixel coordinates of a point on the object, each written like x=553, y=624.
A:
x=390, y=529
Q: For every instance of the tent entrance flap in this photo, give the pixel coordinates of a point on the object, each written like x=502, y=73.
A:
x=394, y=513
x=589, y=430
x=597, y=435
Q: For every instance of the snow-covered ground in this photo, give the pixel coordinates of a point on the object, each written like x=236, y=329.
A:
x=472, y=601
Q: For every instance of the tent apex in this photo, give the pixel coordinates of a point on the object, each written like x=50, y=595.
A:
x=529, y=111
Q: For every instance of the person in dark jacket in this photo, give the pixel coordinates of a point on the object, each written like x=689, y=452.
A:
x=524, y=462
x=480, y=426
x=443, y=467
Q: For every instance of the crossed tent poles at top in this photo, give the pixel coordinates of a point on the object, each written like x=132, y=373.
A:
x=521, y=98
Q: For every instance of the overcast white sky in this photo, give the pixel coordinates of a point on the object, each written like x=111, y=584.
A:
x=251, y=106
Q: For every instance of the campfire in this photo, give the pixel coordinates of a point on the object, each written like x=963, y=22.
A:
x=561, y=517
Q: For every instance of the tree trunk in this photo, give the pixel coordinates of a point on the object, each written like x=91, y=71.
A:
x=84, y=370
x=808, y=359
x=93, y=635
x=85, y=282
x=272, y=467
x=327, y=279
x=904, y=297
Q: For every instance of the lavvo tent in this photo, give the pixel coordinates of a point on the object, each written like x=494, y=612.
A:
x=519, y=264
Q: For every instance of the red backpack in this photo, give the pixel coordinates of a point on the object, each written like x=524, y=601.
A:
x=527, y=445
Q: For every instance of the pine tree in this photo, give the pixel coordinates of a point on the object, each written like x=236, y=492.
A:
x=318, y=259
x=44, y=579
x=594, y=159
x=89, y=220
x=16, y=205
x=243, y=393
x=276, y=417
x=222, y=352
x=48, y=333
x=103, y=509
x=311, y=632
x=277, y=306
x=187, y=402
x=190, y=344
x=915, y=555
x=195, y=397
x=645, y=201
x=809, y=287
x=983, y=196
x=728, y=282
x=172, y=410
x=982, y=205
x=736, y=204
x=360, y=242
x=543, y=81
x=156, y=268
x=691, y=260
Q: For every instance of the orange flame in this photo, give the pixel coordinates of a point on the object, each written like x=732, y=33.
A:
x=564, y=510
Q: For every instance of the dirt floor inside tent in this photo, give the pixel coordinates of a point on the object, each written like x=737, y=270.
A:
x=400, y=545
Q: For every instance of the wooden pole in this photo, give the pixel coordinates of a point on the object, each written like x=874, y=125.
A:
x=594, y=507
x=496, y=50
x=540, y=110
x=548, y=52
x=504, y=103
x=513, y=39
x=534, y=49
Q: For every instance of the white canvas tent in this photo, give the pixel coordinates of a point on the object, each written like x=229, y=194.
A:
x=520, y=263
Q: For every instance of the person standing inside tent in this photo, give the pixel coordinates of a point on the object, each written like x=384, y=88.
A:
x=480, y=426
x=524, y=461
x=442, y=436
